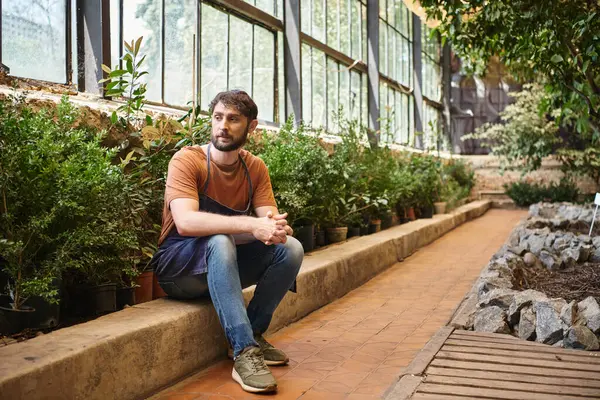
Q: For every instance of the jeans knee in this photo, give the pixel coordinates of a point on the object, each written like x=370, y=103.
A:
x=221, y=243
x=294, y=252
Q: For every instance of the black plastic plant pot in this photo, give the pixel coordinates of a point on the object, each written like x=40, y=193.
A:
x=321, y=238
x=125, y=297
x=353, y=231
x=305, y=235
x=14, y=321
x=46, y=315
x=426, y=212
x=364, y=230
x=105, y=298
x=386, y=222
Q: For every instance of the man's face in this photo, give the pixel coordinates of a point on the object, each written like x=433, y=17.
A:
x=229, y=128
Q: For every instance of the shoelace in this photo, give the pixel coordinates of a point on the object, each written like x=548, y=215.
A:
x=256, y=362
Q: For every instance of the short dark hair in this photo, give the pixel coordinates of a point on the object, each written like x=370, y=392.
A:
x=238, y=99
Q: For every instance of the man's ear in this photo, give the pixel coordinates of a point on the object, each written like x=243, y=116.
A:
x=252, y=126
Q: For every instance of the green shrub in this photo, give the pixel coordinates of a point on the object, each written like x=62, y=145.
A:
x=63, y=202
x=525, y=194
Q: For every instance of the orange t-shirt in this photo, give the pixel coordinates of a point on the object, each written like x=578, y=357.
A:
x=228, y=183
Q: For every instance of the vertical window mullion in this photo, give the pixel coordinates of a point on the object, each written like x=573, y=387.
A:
x=251, y=65
x=162, y=52
x=68, y=44
x=228, y=47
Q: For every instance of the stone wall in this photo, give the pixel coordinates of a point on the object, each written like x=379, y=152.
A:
x=550, y=239
x=489, y=177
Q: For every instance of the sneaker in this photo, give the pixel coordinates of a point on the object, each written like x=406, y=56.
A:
x=251, y=372
x=272, y=355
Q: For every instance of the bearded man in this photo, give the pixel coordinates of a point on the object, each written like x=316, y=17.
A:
x=222, y=232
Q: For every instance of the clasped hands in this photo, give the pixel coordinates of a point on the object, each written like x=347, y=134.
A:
x=272, y=229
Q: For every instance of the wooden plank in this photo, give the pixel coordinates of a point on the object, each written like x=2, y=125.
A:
x=514, y=377
x=427, y=396
x=522, y=353
x=495, y=338
x=513, y=386
x=538, y=371
x=523, y=346
x=519, y=361
x=492, y=393
x=484, y=335
x=404, y=388
x=424, y=357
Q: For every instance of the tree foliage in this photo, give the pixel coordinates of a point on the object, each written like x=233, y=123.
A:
x=556, y=41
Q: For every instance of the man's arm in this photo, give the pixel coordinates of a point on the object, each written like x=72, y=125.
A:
x=191, y=222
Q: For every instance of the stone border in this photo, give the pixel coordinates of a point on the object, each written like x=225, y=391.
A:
x=137, y=351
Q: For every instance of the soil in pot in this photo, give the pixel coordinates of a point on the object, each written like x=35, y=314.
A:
x=143, y=291
x=104, y=298
x=125, y=297
x=374, y=226
x=14, y=321
x=353, y=231
x=336, y=235
x=305, y=235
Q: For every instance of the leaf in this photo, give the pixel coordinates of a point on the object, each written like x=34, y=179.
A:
x=586, y=64
x=137, y=45
x=106, y=69
x=149, y=120
x=150, y=130
x=130, y=66
x=117, y=73
x=114, y=118
x=129, y=47
x=175, y=124
x=557, y=58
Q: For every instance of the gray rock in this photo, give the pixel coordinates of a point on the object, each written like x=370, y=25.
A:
x=570, y=213
x=521, y=300
x=526, y=330
x=595, y=256
x=548, y=326
x=563, y=242
x=530, y=259
x=550, y=261
x=568, y=313
x=570, y=256
x=558, y=344
x=518, y=250
x=558, y=223
x=491, y=319
x=596, y=241
x=536, y=243
x=497, y=297
x=585, y=239
x=535, y=210
x=486, y=285
x=586, y=216
x=585, y=251
x=550, y=240
x=581, y=337
x=589, y=310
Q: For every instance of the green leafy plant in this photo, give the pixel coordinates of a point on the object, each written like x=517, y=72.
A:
x=62, y=202
x=525, y=137
x=525, y=193
x=127, y=83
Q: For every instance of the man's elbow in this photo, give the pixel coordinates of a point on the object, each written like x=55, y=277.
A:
x=182, y=228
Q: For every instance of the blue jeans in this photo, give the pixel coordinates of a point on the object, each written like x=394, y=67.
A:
x=230, y=268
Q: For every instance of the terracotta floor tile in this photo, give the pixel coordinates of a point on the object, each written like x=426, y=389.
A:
x=182, y=396
x=357, y=346
x=333, y=387
x=315, y=395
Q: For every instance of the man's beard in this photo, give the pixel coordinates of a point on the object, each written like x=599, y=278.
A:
x=232, y=146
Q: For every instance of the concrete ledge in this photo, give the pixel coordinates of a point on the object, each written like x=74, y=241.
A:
x=133, y=353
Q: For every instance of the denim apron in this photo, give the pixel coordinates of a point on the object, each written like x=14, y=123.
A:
x=192, y=250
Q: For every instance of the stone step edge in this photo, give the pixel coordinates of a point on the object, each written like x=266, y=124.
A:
x=135, y=352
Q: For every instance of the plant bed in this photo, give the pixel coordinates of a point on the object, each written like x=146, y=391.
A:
x=544, y=283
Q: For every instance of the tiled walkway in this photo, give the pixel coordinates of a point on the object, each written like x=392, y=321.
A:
x=356, y=347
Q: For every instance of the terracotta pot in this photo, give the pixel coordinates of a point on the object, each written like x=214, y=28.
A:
x=440, y=207
x=336, y=235
x=157, y=291
x=143, y=292
x=410, y=214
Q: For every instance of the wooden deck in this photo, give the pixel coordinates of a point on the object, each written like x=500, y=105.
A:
x=463, y=365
